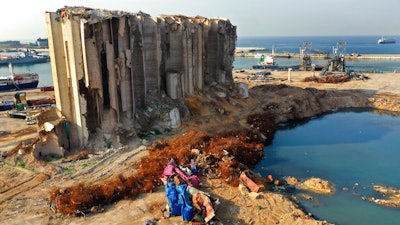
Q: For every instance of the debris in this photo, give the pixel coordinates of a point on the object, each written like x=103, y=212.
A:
x=247, y=178
x=254, y=195
x=150, y=222
x=244, y=148
x=48, y=126
x=184, y=173
x=204, y=204
x=243, y=189
x=337, y=78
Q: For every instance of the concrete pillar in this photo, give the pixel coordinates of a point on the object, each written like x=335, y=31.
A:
x=174, y=88
x=175, y=119
x=243, y=90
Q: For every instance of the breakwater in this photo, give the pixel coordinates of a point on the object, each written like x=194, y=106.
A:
x=253, y=52
x=327, y=56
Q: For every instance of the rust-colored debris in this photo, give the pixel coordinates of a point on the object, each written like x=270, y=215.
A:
x=338, y=78
x=225, y=155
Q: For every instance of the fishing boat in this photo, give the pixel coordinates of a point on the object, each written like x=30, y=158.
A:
x=18, y=81
x=383, y=40
x=27, y=57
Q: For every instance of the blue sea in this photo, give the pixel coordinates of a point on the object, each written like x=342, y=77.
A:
x=352, y=149
x=324, y=45
x=42, y=69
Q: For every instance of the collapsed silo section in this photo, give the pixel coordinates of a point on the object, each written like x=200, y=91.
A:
x=66, y=52
x=110, y=66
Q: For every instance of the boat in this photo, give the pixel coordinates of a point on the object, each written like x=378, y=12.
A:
x=18, y=81
x=383, y=40
x=268, y=62
x=265, y=60
x=27, y=57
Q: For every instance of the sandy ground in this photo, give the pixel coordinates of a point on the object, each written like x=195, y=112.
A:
x=24, y=190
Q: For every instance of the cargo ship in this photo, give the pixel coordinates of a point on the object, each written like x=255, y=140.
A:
x=383, y=40
x=27, y=57
x=18, y=81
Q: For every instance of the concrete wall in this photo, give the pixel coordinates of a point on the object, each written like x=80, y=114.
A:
x=107, y=64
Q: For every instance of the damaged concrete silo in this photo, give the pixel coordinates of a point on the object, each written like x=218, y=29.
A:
x=106, y=65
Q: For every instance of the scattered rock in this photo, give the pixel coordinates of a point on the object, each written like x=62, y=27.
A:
x=254, y=195
x=292, y=180
x=391, y=196
x=243, y=189
x=317, y=185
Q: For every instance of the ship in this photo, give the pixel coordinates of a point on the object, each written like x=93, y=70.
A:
x=18, y=81
x=383, y=40
x=27, y=57
x=268, y=62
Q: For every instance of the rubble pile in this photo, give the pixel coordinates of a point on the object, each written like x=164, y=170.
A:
x=336, y=78
x=220, y=155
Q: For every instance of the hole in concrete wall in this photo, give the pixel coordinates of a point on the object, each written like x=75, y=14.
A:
x=104, y=76
x=92, y=107
x=114, y=24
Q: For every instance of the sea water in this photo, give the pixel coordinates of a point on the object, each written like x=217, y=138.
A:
x=352, y=149
x=42, y=69
x=323, y=45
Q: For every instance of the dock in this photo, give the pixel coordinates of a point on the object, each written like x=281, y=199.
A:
x=251, y=53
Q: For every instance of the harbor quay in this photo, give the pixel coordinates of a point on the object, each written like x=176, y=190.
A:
x=254, y=52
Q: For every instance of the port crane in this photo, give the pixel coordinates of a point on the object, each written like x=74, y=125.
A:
x=305, y=57
x=338, y=63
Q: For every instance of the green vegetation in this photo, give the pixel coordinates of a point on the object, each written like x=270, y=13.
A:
x=70, y=170
x=8, y=164
x=52, y=157
x=148, y=136
x=21, y=164
x=88, y=164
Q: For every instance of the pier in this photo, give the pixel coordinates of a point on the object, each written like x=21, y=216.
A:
x=251, y=53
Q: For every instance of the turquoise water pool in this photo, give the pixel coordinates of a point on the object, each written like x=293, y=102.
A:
x=352, y=149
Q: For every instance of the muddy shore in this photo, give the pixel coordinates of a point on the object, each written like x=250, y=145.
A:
x=24, y=190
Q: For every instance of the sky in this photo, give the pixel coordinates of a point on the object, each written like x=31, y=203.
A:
x=24, y=20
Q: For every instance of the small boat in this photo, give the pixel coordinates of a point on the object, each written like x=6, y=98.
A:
x=27, y=57
x=18, y=81
x=383, y=40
